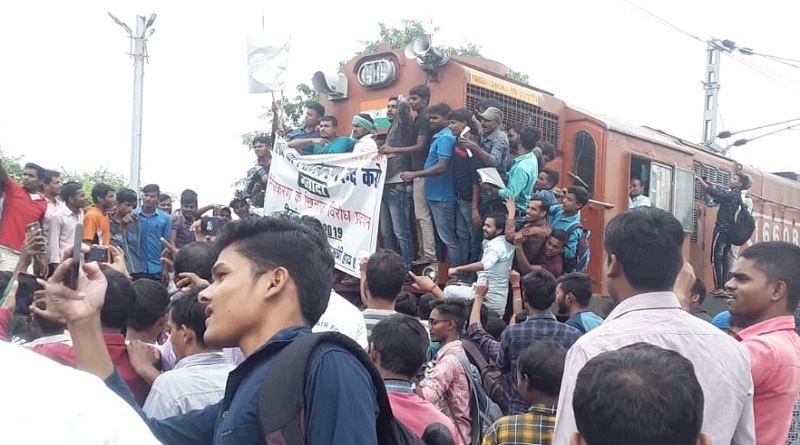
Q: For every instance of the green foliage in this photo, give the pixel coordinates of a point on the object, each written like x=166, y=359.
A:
x=518, y=76
x=14, y=166
x=89, y=179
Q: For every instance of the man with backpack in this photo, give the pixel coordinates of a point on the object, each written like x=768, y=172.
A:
x=567, y=217
x=731, y=208
x=448, y=385
x=272, y=282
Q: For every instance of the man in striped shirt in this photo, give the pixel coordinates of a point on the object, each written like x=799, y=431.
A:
x=381, y=280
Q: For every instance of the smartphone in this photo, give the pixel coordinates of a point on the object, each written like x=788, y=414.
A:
x=71, y=279
x=210, y=225
x=99, y=254
x=33, y=227
x=25, y=290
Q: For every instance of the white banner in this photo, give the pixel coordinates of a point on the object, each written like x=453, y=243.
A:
x=343, y=191
x=266, y=63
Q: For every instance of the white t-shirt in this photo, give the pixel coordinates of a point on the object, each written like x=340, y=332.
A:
x=342, y=316
x=46, y=402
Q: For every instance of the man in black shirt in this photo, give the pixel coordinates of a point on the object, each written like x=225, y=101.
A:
x=420, y=97
x=730, y=201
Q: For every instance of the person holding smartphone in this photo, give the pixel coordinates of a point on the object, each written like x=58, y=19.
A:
x=22, y=205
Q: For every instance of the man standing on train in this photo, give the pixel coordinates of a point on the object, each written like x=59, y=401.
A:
x=730, y=201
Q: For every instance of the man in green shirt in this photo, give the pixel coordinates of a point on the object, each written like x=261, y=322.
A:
x=524, y=171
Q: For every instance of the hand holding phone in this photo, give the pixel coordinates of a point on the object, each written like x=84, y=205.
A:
x=99, y=254
x=71, y=279
x=25, y=290
x=210, y=225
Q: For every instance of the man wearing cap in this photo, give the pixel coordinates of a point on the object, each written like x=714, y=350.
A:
x=493, y=148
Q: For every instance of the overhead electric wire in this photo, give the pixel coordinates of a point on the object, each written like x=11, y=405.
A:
x=788, y=83
x=731, y=133
x=741, y=142
x=662, y=21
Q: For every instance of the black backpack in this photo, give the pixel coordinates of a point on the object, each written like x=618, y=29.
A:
x=492, y=379
x=743, y=226
x=281, y=399
x=580, y=262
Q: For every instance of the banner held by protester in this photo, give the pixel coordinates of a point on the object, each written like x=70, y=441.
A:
x=343, y=191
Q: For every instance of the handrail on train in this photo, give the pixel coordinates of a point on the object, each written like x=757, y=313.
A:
x=605, y=205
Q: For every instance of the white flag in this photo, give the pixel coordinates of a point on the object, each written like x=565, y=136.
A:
x=267, y=59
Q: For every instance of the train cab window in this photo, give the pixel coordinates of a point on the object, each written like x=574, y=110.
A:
x=585, y=159
x=669, y=188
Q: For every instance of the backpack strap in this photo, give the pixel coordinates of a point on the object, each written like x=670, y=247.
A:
x=281, y=399
x=474, y=404
x=475, y=354
x=573, y=228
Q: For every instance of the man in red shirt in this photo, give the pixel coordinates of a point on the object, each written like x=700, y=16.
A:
x=21, y=206
x=399, y=346
x=766, y=289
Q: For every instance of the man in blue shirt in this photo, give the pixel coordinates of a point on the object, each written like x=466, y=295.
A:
x=272, y=281
x=564, y=216
x=154, y=224
x=548, y=179
x=573, y=294
x=314, y=113
x=439, y=186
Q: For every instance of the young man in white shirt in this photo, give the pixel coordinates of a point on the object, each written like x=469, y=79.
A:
x=498, y=254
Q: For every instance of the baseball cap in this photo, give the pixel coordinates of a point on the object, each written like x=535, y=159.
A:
x=492, y=114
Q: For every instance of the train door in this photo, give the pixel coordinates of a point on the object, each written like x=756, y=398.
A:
x=584, y=164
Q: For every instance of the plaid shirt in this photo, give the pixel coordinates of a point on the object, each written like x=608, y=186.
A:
x=517, y=337
x=535, y=427
x=447, y=388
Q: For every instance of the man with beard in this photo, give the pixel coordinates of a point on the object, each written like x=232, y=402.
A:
x=530, y=239
x=493, y=266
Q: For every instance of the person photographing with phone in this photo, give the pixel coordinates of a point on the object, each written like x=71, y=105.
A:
x=22, y=205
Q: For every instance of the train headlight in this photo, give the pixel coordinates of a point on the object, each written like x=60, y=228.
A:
x=377, y=73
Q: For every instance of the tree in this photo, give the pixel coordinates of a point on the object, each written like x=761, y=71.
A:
x=14, y=167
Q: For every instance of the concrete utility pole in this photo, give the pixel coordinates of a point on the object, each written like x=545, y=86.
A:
x=139, y=55
x=711, y=84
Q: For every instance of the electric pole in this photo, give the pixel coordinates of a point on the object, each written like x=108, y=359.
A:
x=711, y=84
x=139, y=55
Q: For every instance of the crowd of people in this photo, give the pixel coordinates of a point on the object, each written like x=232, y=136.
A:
x=201, y=337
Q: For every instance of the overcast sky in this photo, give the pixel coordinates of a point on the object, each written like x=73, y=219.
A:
x=66, y=81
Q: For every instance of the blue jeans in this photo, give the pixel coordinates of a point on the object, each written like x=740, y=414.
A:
x=444, y=220
x=469, y=232
x=395, y=221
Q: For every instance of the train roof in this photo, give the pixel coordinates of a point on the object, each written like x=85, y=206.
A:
x=641, y=132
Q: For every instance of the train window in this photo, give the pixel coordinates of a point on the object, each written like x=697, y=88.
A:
x=517, y=112
x=585, y=159
x=661, y=186
x=684, y=198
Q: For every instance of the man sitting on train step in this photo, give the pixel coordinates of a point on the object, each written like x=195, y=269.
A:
x=328, y=142
x=493, y=266
x=636, y=196
x=567, y=215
